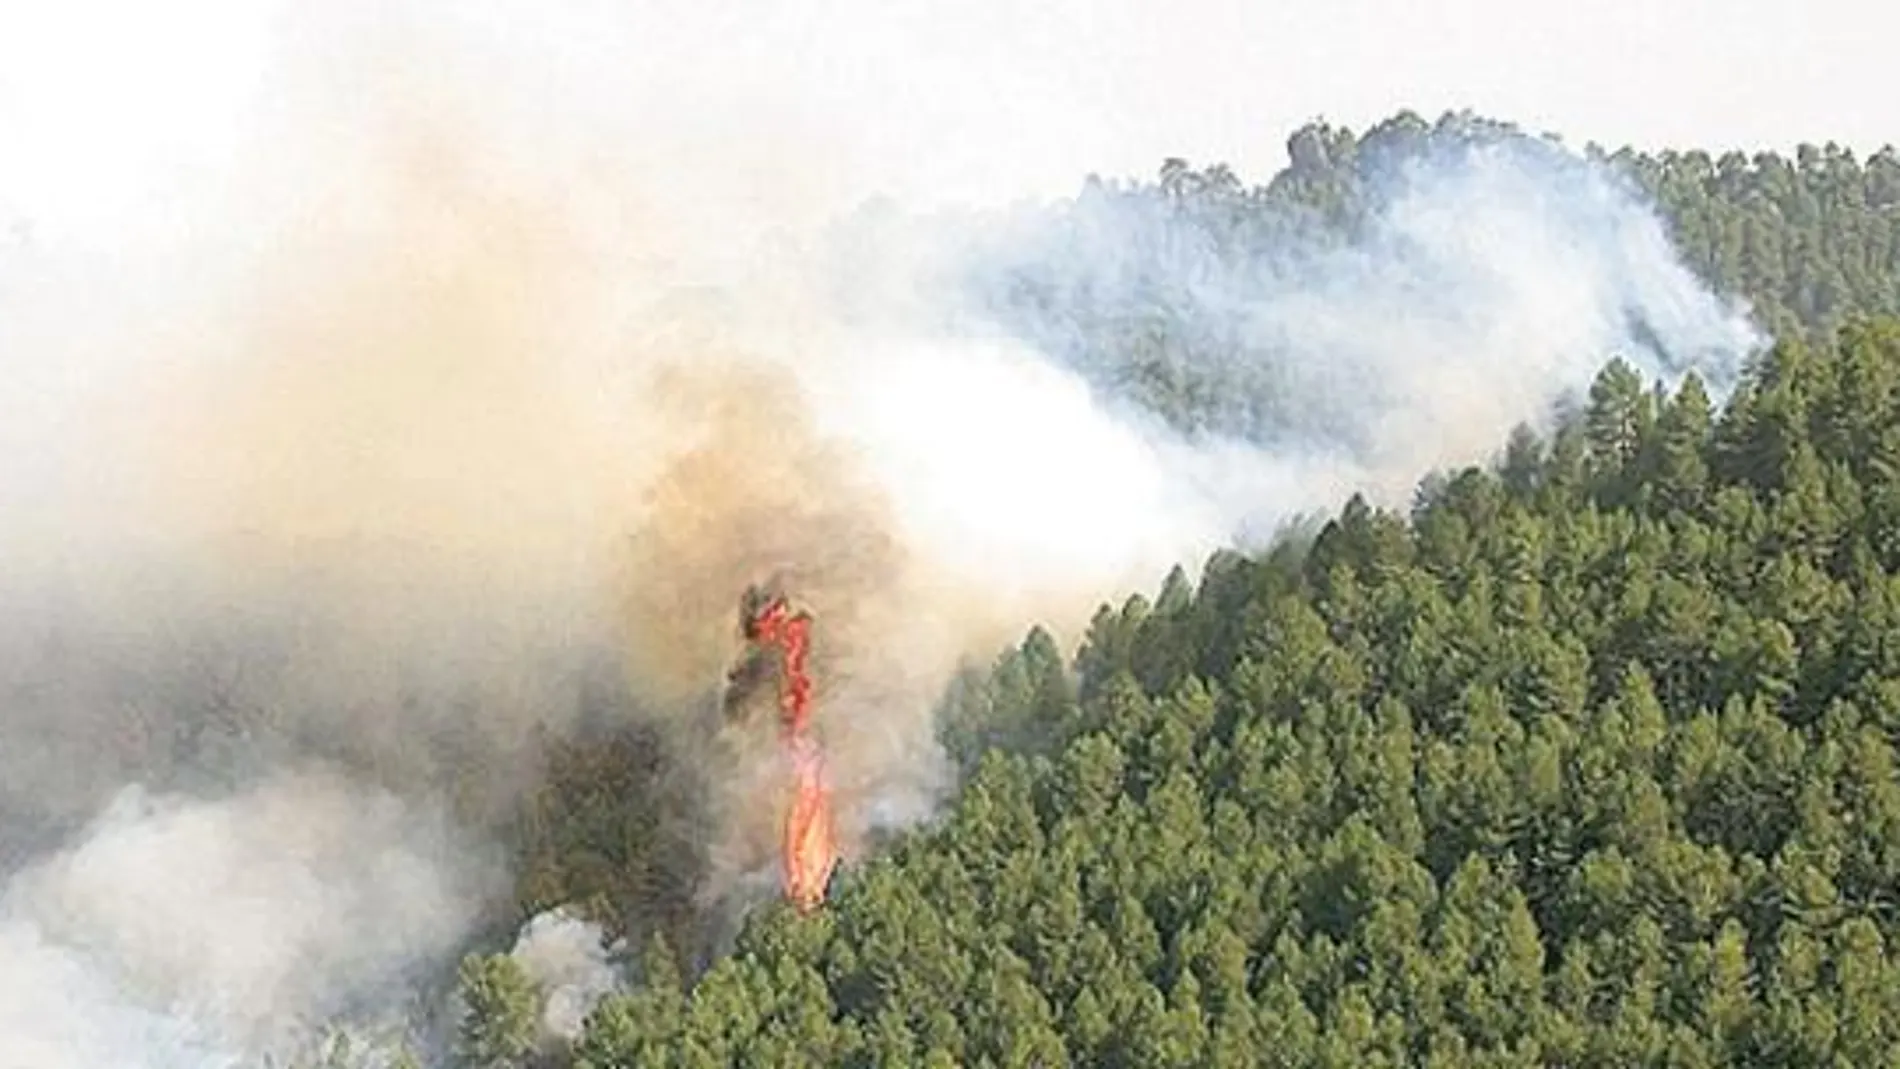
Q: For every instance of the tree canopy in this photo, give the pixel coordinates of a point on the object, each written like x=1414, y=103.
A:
x=1587, y=759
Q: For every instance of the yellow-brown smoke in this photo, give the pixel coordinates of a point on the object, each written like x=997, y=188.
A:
x=757, y=494
x=459, y=431
x=418, y=442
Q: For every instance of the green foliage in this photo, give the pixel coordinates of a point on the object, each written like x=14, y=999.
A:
x=1812, y=241
x=1140, y=297
x=610, y=829
x=1587, y=759
x=500, y=1008
x=1590, y=760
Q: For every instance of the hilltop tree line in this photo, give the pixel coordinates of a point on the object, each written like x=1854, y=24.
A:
x=1587, y=759
x=1810, y=242
x=1137, y=283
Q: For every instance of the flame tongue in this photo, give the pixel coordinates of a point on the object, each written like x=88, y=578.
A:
x=776, y=625
x=809, y=852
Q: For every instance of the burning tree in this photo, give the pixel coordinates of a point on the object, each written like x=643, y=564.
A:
x=808, y=849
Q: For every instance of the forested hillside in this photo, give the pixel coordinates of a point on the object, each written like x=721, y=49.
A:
x=1810, y=241
x=1589, y=762
x=1145, y=309
x=1589, y=759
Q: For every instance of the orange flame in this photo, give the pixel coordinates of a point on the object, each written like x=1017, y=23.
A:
x=809, y=850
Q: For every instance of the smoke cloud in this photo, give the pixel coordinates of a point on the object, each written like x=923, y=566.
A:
x=1475, y=282
x=184, y=933
x=567, y=959
x=465, y=398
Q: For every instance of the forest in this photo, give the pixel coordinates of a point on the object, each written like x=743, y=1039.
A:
x=1586, y=759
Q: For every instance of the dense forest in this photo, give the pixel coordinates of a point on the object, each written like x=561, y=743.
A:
x=1140, y=286
x=1812, y=242
x=1586, y=759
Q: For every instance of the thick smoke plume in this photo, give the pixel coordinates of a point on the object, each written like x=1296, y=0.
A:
x=464, y=400
x=182, y=933
x=757, y=495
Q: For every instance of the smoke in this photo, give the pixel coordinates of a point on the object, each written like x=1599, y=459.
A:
x=185, y=933
x=1453, y=288
x=566, y=957
x=1052, y=404
x=332, y=470
x=464, y=397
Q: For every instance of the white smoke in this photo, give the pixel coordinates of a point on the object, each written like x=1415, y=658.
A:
x=183, y=934
x=568, y=959
x=339, y=430
x=1487, y=285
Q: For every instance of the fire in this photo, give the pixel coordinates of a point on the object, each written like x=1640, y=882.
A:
x=809, y=851
x=776, y=625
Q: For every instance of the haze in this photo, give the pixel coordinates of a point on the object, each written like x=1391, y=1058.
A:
x=389, y=385
x=110, y=108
